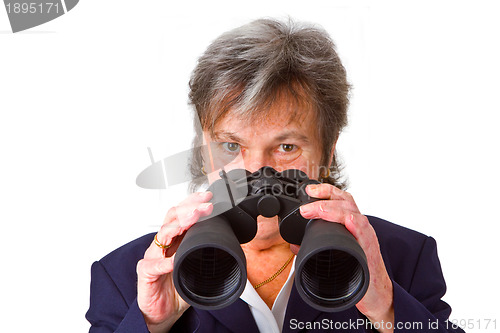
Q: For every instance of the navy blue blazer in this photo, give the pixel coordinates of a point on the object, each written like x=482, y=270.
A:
x=410, y=258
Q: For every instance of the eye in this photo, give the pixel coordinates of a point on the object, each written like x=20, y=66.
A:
x=232, y=147
x=286, y=147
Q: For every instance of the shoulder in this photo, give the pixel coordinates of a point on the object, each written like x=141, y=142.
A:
x=391, y=234
x=120, y=265
x=132, y=251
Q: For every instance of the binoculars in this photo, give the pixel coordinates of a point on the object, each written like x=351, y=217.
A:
x=331, y=271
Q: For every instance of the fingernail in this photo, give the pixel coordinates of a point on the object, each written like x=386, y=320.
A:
x=322, y=208
x=205, y=205
x=194, y=211
x=313, y=187
x=205, y=194
x=305, y=209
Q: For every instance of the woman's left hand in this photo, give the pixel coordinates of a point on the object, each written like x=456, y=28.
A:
x=339, y=206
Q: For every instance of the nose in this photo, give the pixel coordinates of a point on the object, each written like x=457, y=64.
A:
x=254, y=160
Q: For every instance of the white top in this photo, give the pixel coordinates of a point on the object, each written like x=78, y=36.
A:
x=269, y=321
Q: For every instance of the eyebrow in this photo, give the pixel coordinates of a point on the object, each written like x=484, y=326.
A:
x=224, y=135
x=292, y=135
x=232, y=136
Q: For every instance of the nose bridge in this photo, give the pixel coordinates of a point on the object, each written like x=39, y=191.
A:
x=256, y=159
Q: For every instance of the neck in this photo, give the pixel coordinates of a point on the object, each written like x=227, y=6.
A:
x=265, y=247
x=262, y=263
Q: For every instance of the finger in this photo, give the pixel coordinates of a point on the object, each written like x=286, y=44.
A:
x=186, y=217
x=171, y=234
x=151, y=269
x=327, y=191
x=197, y=197
x=359, y=226
x=325, y=209
x=191, y=201
x=183, y=214
x=331, y=209
x=174, y=245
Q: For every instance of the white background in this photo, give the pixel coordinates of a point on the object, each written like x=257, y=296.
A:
x=83, y=96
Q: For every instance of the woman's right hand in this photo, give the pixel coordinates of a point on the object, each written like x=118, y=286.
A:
x=157, y=298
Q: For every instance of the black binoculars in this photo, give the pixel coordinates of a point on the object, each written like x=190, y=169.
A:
x=331, y=271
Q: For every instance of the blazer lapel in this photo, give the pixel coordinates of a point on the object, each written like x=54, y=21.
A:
x=298, y=311
x=236, y=317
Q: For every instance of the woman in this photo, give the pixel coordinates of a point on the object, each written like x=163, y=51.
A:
x=271, y=94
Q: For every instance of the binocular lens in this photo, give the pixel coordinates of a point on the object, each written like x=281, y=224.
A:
x=209, y=276
x=331, y=277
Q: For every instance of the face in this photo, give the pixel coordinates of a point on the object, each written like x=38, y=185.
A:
x=276, y=142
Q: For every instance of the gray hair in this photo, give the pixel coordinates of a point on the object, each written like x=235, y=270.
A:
x=249, y=68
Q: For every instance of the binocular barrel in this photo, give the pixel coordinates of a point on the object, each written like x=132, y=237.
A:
x=210, y=266
x=331, y=271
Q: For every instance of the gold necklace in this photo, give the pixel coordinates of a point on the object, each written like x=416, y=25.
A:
x=275, y=275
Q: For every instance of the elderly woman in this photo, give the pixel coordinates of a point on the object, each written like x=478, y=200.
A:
x=273, y=94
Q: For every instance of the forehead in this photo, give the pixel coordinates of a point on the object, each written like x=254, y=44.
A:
x=285, y=103
x=280, y=122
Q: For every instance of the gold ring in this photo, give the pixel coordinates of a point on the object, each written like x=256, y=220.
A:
x=160, y=245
